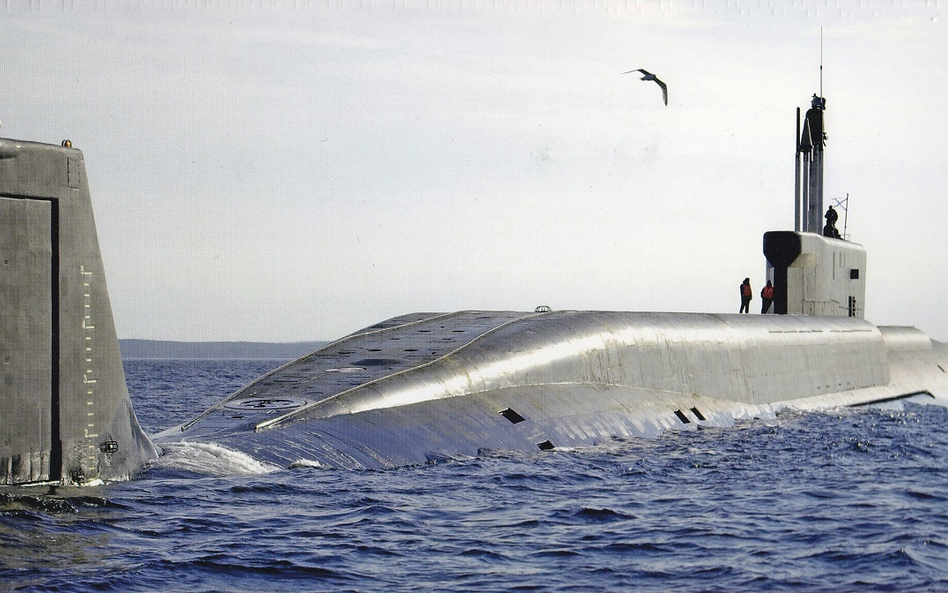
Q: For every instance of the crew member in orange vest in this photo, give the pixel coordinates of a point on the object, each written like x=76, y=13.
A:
x=746, y=296
x=767, y=296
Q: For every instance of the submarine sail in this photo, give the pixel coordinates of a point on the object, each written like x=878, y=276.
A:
x=65, y=413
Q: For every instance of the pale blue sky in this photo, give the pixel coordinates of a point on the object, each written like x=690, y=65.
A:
x=298, y=170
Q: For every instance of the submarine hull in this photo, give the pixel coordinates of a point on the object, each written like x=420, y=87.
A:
x=429, y=386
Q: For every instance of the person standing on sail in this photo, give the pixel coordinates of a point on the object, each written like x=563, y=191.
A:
x=746, y=296
x=767, y=297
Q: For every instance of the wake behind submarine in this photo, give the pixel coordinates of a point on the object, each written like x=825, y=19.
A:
x=428, y=386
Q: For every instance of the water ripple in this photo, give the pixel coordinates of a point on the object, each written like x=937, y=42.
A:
x=839, y=501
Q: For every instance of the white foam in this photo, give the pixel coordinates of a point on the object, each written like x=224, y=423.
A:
x=305, y=463
x=211, y=459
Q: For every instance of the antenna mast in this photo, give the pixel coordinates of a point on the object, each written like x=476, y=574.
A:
x=846, y=218
x=808, y=179
x=821, y=62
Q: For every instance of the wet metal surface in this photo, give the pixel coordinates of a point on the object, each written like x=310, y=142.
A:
x=426, y=385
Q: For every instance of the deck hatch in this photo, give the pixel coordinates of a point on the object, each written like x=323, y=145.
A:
x=265, y=403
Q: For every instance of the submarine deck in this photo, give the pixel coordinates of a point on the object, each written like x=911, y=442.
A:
x=392, y=394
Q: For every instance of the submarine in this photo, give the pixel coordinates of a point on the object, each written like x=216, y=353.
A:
x=429, y=386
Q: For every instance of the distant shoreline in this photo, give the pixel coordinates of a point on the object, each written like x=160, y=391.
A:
x=133, y=349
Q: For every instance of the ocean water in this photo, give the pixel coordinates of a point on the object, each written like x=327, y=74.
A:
x=846, y=500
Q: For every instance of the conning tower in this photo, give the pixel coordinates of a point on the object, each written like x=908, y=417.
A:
x=65, y=413
x=814, y=271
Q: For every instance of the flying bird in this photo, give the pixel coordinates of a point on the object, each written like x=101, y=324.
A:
x=646, y=75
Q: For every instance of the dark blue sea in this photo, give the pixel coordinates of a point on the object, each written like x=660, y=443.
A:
x=847, y=500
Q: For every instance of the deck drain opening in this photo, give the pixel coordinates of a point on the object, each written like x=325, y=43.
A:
x=939, y=366
x=681, y=416
x=512, y=415
x=545, y=446
x=698, y=414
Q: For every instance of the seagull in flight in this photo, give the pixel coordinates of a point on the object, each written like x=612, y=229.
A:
x=646, y=75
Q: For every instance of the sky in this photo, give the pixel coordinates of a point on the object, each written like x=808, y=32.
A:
x=290, y=170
